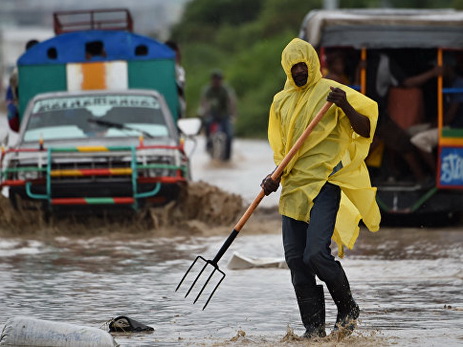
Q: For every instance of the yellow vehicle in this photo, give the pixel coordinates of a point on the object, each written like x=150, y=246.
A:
x=418, y=42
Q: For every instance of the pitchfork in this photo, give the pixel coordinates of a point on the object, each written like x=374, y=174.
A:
x=214, y=262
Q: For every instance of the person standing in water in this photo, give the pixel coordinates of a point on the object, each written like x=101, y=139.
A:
x=326, y=187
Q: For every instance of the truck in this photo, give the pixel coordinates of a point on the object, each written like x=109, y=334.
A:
x=98, y=108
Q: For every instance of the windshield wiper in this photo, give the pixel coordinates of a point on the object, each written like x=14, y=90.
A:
x=110, y=124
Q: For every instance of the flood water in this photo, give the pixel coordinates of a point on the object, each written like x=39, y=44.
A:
x=407, y=281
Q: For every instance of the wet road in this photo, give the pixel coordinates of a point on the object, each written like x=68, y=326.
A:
x=408, y=282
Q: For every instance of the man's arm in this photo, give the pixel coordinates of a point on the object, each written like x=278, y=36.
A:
x=418, y=80
x=359, y=122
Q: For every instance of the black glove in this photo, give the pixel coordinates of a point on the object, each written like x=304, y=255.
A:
x=269, y=185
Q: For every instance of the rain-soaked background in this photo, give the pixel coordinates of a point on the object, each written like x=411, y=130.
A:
x=407, y=281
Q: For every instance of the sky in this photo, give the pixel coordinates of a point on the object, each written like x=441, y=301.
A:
x=150, y=16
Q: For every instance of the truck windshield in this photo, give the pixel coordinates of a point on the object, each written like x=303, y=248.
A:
x=86, y=116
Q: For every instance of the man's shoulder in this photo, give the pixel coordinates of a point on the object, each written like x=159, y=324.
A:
x=278, y=97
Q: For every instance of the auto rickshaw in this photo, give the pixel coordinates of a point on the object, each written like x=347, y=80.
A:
x=417, y=41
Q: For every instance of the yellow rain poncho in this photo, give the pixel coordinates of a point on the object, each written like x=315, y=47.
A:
x=331, y=141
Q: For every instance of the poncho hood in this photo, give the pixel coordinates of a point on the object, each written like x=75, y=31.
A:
x=299, y=51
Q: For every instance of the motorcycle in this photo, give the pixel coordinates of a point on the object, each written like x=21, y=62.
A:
x=218, y=138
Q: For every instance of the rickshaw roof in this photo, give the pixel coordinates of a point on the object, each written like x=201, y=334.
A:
x=384, y=28
x=118, y=45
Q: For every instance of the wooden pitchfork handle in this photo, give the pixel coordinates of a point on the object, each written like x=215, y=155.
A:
x=275, y=176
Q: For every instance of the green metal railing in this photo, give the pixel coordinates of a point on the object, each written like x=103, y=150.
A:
x=134, y=168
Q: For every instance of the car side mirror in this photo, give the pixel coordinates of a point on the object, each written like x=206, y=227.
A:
x=189, y=126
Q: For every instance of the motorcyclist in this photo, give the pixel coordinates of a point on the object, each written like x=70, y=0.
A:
x=218, y=105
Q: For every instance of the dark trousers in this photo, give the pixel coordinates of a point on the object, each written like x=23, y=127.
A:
x=307, y=245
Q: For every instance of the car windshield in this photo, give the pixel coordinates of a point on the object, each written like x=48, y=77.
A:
x=88, y=116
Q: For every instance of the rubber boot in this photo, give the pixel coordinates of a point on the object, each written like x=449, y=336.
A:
x=311, y=303
x=348, y=310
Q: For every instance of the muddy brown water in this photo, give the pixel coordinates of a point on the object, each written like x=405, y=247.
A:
x=407, y=281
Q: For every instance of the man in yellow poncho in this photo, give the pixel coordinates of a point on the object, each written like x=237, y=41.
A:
x=326, y=188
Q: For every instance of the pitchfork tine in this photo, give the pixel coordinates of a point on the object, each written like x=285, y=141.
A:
x=217, y=286
x=196, y=280
x=205, y=285
x=186, y=273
